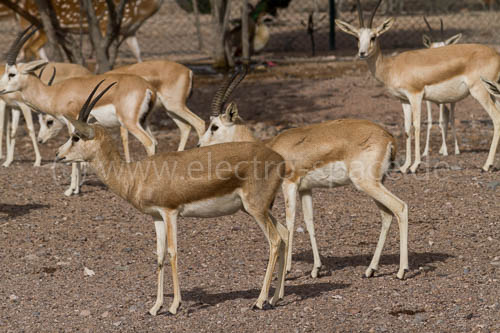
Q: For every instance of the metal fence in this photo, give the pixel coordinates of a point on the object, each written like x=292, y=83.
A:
x=172, y=32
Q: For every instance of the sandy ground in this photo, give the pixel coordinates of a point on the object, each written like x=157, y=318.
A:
x=47, y=239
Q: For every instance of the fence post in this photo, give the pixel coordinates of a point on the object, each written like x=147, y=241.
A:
x=331, y=40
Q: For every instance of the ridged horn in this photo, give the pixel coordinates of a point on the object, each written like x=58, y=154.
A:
x=431, y=31
x=52, y=77
x=86, y=112
x=219, y=95
x=442, y=30
x=18, y=43
x=360, y=14
x=87, y=102
x=373, y=14
x=234, y=84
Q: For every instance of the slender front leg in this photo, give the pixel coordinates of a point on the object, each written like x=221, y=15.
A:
x=290, y=196
x=416, y=109
x=2, y=124
x=31, y=132
x=307, y=210
x=444, y=117
x=161, y=238
x=429, y=127
x=14, y=123
x=172, y=252
x=279, y=293
x=408, y=127
x=133, y=45
x=184, y=128
x=453, y=129
x=74, y=187
x=124, y=136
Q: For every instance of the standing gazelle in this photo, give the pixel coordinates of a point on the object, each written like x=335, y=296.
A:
x=441, y=75
x=204, y=182
x=446, y=115
x=128, y=105
x=329, y=154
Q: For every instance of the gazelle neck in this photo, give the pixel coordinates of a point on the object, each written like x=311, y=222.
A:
x=38, y=96
x=376, y=63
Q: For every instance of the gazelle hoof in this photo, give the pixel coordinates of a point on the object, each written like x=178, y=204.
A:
x=369, y=272
x=401, y=274
x=314, y=272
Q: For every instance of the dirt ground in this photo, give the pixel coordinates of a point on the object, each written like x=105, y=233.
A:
x=47, y=239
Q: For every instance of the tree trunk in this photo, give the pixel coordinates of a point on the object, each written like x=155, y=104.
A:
x=245, y=38
x=221, y=10
x=49, y=20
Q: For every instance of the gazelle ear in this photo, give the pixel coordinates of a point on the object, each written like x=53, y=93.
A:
x=231, y=112
x=81, y=129
x=427, y=41
x=453, y=39
x=386, y=25
x=492, y=87
x=33, y=66
x=347, y=28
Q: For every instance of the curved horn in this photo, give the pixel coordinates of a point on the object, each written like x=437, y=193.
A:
x=429, y=26
x=52, y=77
x=87, y=102
x=41, y=72
x=234, y=84
x=360, y=14
x=18, y=43
x=442, y=30
x=94, y=102
x=373, y=14
x=217, y=100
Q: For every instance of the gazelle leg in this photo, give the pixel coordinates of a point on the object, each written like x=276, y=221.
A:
x=279, y=293
x=184, y=128
x=133, y=45
x=74, y=187
x=453, y=129
x=386, y=224
x=31, y=132
x=408, y=127
x=161, y=251
x=397, y=208
x=480, y=93
x=429, y=127
x=444, y=119
x=144, y=137
x=307, y=211
x=290, y=196
x=14, y=123
x=3, y=106
x=180, y=110
x=416, y=109
x=171, y=221
x=124, y=136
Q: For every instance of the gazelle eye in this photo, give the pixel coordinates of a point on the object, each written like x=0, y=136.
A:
x=75, y=139
x=373, y=38
x=214, y=128
x=11, y=75
x=50, y=122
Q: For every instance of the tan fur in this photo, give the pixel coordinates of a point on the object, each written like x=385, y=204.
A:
x=440, y=75
x=161, y=185
x=173, y=84
x=329, y=154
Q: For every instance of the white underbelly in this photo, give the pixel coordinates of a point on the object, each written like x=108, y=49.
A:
x=106, y=116
x=220, y=206
x=330, y=175
x=449, y=91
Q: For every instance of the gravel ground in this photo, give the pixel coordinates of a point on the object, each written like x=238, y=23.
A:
x=47, y=240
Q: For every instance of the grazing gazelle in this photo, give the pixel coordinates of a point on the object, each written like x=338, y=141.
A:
x=203, y=182
x=173, y=84
x=329, y=154
x=128, y=105
x=446, y=115
x=445, y=74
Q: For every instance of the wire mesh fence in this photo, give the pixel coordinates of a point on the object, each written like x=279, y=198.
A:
x=177, y=34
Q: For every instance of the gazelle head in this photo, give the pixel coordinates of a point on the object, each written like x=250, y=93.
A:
x=226, y=126
x=431, y=42
x=50, y=126
x=85, y=140
x=366, y=35
x=15, y=75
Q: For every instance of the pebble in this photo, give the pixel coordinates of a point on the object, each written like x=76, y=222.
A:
x=132, y=308
x=117, y=323
x=244, y=309
x=31, y=257
x=13, y=297
x=493, y=185
x=300, y=230
x=466, y=271
x=105, y=314
x=84, y=313
x=455, y=168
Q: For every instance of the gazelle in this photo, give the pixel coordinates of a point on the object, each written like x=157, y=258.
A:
x=173, y=85
x=441, y=75
x=65, y=71
x=70, y=17
x=329, y=154
x=493, y=88
x=204, y=182
x=128, y=105
x=445, y=114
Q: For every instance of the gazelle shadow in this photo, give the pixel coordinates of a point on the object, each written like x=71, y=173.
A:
x=13, y=211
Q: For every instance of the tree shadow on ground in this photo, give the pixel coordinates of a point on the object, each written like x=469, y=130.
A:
x=204, y=299
x=13, y=211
